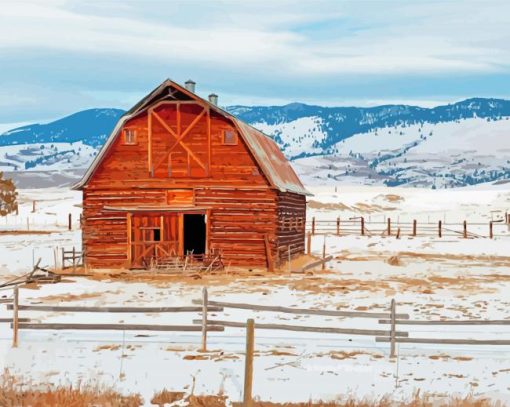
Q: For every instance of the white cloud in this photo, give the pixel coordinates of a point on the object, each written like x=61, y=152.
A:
x=57, y=56
x=253, y=36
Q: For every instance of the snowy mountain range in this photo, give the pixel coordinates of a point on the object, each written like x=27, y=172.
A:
x=453, y=145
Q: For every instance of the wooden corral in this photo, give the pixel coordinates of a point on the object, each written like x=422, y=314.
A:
x=178, y=175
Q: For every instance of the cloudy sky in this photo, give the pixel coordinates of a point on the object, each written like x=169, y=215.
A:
x=60, y=56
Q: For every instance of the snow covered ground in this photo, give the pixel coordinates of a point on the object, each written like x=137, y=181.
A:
x=430, y=278
x=434, y=155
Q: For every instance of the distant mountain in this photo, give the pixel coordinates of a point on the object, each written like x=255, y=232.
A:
x=333, y=124
x=453, y=145
x=91, y=127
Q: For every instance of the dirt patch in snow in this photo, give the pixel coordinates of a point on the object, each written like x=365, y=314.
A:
x=328, y=206
x=391, y=198
x=69, y=297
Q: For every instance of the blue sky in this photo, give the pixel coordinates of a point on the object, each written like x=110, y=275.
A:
x=60, y=56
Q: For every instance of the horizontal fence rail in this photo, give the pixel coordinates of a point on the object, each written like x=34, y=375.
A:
x=144, y=310
x=119, y=327
x=298, y=328
x=303, y=311
x=447, y=341
x=449, y=322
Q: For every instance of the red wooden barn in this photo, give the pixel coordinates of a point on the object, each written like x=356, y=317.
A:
x=178, y=175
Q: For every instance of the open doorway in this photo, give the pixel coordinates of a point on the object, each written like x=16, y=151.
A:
x=194, y=233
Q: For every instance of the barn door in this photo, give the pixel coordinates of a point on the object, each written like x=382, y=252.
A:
x=152, y=236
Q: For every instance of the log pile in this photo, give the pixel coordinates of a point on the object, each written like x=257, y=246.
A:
x=38, y=275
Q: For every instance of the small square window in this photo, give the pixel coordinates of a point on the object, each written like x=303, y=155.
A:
x=229, y=138
x=129, y=136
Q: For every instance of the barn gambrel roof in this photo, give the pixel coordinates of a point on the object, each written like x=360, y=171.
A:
x=266, y=152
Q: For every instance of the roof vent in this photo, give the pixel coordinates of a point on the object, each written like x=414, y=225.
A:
x=213, y=98
x=190, y=85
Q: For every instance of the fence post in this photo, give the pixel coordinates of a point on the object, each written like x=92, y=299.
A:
x=398, y=233
x=338, y=226
x=248, y=366
x=288, y=260
x=324, y=253
x=313, y=225
x=393, y=314
x=70, y=222
x=439, y=229
x=362, y=226
x=74, y=260
x=465, y=230
x=33, y=206
x=63, y=258
x=309, y=243
x=388, y=229
x=491, y=232
x=269, y=255
x=414, y=227
x=204, y=319
x=15, y=318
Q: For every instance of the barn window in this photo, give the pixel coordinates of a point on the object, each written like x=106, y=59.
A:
x=129, y=136
x=229, y=138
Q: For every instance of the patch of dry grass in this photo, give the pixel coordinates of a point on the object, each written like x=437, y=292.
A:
x=69, y=297
x=386, y=401
x=166, y=397
x=14, y=393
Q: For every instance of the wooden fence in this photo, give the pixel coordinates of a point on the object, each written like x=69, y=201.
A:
x=71, y=259
x=362, y=227
x=204, y=306
x=205, y=325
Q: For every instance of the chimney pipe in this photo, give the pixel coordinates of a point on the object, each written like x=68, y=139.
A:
x=213, y=98
x=190, y=85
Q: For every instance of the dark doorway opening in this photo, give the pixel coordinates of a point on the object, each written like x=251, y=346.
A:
x=194, y=234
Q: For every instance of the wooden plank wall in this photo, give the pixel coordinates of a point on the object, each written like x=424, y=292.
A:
x=125, y=166
x=239, y=221
x=291, y=224
x=104, y=233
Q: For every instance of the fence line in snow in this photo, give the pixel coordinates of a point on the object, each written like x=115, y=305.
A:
x=204, y=325
x=362, y=227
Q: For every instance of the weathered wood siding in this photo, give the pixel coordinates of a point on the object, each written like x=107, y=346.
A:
x=240, y=219
x=104, y=232
x=291, y=221
x=125, y=166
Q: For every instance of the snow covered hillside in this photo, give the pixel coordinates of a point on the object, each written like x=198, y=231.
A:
x=447, y=146
x=450, y=154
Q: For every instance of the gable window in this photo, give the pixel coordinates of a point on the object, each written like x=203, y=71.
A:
x=129, y=136
x=229, y=138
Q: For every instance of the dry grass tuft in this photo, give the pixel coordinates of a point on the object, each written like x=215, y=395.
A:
x=14, y=394
x=166, y=397
x=394, y=261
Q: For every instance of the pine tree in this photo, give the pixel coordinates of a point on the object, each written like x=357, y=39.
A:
x=8, y=196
